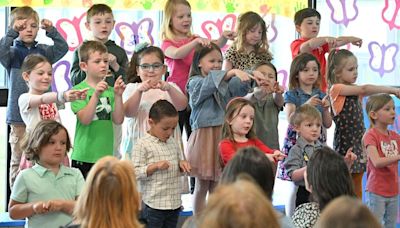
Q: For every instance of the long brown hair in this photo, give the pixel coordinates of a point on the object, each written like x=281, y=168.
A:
x=298, y=65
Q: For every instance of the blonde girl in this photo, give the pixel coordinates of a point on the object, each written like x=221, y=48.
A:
x=251, y=45
x=209, y=89
x=382, y=147
x=145, y=87
x=346, y=97
x=45, y=194
x=238, y=131
x=304, y=80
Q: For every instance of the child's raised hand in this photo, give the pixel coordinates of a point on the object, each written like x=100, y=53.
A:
x=163, y=85
x=101, y=87
x=314, y=100
x=119, y=86
x=325, y=102
x=356, y=41
x=278, y=156
x=203, y=41
x=39, y=207
x=396, y=92
x=278, y=88
x=162, y=165
x=350, y=157
x=46, y=24
x=331, y=41
x=146, y=85
x=185, y=166
x=19, y=25
x=229, y=35
x=243, y=76
x=112, y=61
x=72, y=95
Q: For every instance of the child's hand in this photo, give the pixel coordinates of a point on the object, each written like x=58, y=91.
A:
x=163, y=85
x=314, y=101
x=112, y=61
x=54, y=205
x=19, y=25
x=162, y=165
x=331, y=41
x=278, y=156
x=46, y=24
x=229, y=35
x=185, y=166
x=278, y=88
x=356, y=41
x=146, y=85
x=350, y=157
x=39, y=207
x=325, y=102
x=396, y=92
x=203, y=41
x=243, y=76
x=119, y=86
x=101, y=87
x=72, y=95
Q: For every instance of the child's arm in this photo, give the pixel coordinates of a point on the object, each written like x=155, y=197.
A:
x=7, y=41
x=181, y=52
x=298, y=174
x=20, y=210
x=59, y=97
x=314, y=43
x=154, y=167
x=77, y=75
x=326, y=114
x=227, y=150
x=179, y=100
x=226, y=35
x=131, y=105
x=343, y=40
x=294, y=164
x=60, y=47
x=378, y=161
x=290, y=108
x=118, y=113
x=243, y=76
x=184, y=166
x=278, y=97
x=366, y=90
x=85, y=115
x=66, y=206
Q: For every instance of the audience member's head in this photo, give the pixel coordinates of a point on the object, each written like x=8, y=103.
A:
x=251, y=161
x=347, y=212
x=327, y=176
x=239, y=204
x=110, y=197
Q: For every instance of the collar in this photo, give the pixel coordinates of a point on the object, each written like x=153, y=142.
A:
x=302, y=143
x=41, y=171
x=313, y=91
x=21, y=43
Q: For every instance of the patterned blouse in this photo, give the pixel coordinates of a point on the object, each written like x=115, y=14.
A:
x=245, y=61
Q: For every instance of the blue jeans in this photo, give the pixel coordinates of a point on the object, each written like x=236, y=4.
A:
x=160, y=218
x=384, y=208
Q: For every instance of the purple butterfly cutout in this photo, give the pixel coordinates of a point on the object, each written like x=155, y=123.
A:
x=379, y=53
x=346, y=20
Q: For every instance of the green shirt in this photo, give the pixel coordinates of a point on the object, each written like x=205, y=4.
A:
x=40, y=184
x=95, y=140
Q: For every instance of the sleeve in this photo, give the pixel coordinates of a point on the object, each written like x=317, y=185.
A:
x=295, y=47
x=78, y=105
x=201, y=88
x=77, y=75
x=230, y=54
x=227, y=150
x=263, y=147
x=5, y=48
x=80, y=182
x=325, y=48
x=19, y=192
x=336, y=99
x=60, y=47
x=237, y=88
x=290, y=97
x=129, y=90
x=123, y=65
x=139, y=159
x=370, y=139
x=23, y=103
x=294, y=160
x=166, y=44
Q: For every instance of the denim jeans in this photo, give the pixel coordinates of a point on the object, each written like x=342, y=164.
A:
x=160, y=218
x=384, y=208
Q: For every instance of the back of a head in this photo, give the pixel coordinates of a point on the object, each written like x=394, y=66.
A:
x=347, y=212
x=88, y=47
x=240, y=204
x=302, y=14
x=24, y=12
x=110, y=197
x=323, y=163
x=251, y=161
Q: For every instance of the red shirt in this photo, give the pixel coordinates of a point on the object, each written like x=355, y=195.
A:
x=383, y=181
x=319, y=53
x=227, y=148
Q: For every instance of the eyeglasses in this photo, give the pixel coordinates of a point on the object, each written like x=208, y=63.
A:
x=155, y=66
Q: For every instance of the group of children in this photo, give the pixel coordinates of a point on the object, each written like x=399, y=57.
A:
x=224, y=105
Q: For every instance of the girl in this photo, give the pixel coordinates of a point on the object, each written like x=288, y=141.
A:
x=39, y=104
x=238, y=131
x=251, y=45
x=209, y=90
x=268, y=102
x=383, y=155
x=110, y=197
x=46, y=193
x=304, y=82
x=347, y=109
x=144, y=88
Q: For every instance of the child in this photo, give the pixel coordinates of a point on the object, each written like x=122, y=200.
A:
x=307, y=22
x=347, y=110
x=110, y=197
x=158, y=162
x=238, y=131
x=268, y=102
x=101, y=108
x=209, y=90
x=46, y=193
x=382, y=147
x=251, y=45
x=39, y=104
x=146, y=87
x=24, y=25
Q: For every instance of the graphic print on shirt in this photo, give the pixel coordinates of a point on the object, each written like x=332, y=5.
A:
x=389, y=149
x=103, y=109
x=48, y=111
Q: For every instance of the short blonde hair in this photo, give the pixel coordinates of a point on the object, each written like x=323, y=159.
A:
x=305, y=112
x=89, y=47
x=169, y=10
x=21, y=13
x=375, y=103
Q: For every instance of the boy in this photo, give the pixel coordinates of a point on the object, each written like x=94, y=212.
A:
x=100, y=21
x=307, y=22
x=158, y=165
x=14, y=47
x=97, y=113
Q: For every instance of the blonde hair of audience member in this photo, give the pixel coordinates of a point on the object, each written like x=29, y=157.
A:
x=110, y=197
x=240, y=204
x=348, y=212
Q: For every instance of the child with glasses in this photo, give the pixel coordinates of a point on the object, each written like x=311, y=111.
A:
x=145, y=87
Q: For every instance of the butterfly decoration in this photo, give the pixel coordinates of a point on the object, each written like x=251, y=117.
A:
x=390, y=13
x=343, y=11
x=213, y=29
x=61, y=76
x=72, y=30
x=382, y=57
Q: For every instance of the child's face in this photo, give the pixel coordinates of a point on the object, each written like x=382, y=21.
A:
x=309, y=75
x=386, y=115
x=181, y=20
x=101, y=26
x=28, y=35
x=309, y=27
x=254, y=35
x=211, y=61
x=164, y=128
x=242, y=121
x=269, y=76
x=53, y=153
x=97, y=65
x=309, y=129
x=39, y=79
x=349, y=72
x=151, y=68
